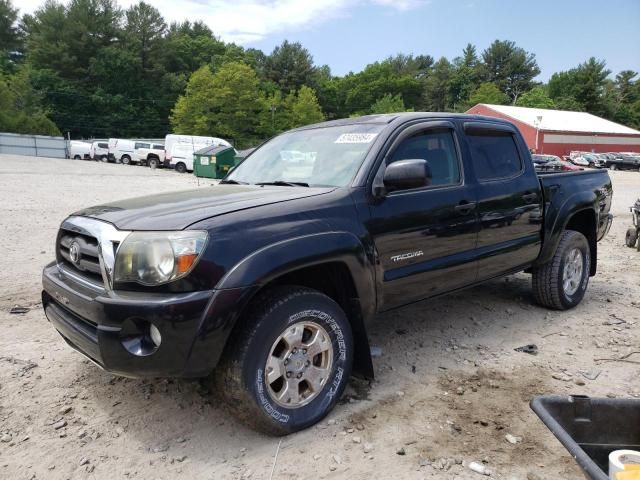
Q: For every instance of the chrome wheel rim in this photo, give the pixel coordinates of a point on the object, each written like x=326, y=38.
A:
x=299, y=364
x=572, y=274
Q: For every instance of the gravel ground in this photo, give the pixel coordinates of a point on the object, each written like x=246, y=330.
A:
x=449, y=386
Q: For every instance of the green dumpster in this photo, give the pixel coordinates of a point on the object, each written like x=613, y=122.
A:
x=213, y=161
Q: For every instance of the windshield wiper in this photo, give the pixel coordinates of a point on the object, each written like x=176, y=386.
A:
x=234, y=182
x=282, y=183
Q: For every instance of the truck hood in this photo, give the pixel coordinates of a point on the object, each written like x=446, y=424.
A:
x=178, y=210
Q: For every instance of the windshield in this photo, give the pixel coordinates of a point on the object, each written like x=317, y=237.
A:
x=320, y=157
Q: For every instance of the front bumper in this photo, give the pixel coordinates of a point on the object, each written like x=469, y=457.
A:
x=97, y=323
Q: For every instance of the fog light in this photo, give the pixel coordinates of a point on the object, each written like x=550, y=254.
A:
x=154, y=333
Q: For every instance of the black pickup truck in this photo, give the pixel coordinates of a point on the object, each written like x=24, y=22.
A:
x=271, y=277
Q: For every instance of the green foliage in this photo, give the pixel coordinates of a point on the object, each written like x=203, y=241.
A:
x=19, y=107
x=510, y=68
x=537, y=97
x=388, y=104
x=96, y=70
x=227, y=104
x=488, y=93
x=290, y=66
x=11, y=41
x=305, y=109
x=437, y=87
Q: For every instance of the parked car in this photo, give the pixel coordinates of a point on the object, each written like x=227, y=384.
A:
x=625, y=161
x=179, y=150
x=147, y=153
x=552, y=163
x=79, y=150
x=272, y=276
x=99, y=151
x=121, y=150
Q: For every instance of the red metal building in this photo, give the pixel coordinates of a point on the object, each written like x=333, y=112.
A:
x=558, y=132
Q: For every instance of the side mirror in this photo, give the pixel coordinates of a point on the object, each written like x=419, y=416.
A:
x=406, y=174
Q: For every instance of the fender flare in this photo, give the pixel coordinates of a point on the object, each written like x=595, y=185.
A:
x=574, y=204
x=273, y=261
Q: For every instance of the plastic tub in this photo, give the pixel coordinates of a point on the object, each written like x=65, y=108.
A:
x=591, y=428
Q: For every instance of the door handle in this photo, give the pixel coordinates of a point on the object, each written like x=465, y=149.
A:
x=465, y=207
x=530, y=197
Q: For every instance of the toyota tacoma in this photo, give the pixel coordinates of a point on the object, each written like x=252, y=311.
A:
x=269, y=279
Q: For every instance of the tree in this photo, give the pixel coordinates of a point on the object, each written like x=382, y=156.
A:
x=144, y=33
x=388, y=104
x=511, y=68
x=583, y=86
x=465, y=78
x=488, y=93
x=10, y=36
x=537, y=97
x=436, y=86
x=226, y=104
x=20, y=110
x=305, y=109
x=290, y=66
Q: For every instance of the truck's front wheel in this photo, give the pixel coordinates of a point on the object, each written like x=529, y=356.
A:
x=562, y=282
x=288, y=363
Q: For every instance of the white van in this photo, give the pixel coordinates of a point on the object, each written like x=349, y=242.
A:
x=121, y=150
x=148, y=153
x=79, y=150
x=179, y=149
x=100, y=151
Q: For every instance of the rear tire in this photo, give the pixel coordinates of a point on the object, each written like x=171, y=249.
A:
x=631, y=237
x=104, y=158
x=181, y=167
x=270, y=364
x=562, y=282
x=153, y=162
x=126, y=160
x=613, y=167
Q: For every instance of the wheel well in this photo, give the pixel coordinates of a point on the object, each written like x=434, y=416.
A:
x=584, y=222
x=335, y=281
x=150, y=156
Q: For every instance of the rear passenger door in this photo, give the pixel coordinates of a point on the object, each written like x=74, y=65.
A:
x=509, y=199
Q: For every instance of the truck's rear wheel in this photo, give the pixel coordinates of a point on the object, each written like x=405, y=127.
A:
x=631, y=237
x=288, y=363
x=126, y=160
x=181, y=167
x=562, y=282
x=153, y=162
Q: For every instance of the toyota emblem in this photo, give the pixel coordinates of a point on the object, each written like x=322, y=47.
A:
x=74, y=253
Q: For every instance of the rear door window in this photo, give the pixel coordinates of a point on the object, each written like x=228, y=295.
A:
x=158, y=147
x=494, y=154
x=103, y=145
x=142, y=145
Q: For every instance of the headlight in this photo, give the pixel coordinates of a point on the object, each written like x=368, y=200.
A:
x=154, y=258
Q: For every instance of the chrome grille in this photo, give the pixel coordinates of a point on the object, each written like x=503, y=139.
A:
x=86, y=249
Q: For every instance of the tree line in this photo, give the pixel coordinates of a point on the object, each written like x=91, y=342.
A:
x=90, y=68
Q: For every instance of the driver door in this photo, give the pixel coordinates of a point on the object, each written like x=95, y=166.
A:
x=425, y=237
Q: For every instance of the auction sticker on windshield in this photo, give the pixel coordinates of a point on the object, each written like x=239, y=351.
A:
x=356, y=138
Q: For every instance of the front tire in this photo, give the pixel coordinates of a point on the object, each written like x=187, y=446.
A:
x=613, y=167
x=631, y=237
x=562, y=282
x=288, y=363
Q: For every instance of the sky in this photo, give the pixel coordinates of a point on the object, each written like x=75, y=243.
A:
x=349, y=34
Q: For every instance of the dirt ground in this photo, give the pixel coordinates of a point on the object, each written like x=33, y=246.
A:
x=449, y=386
